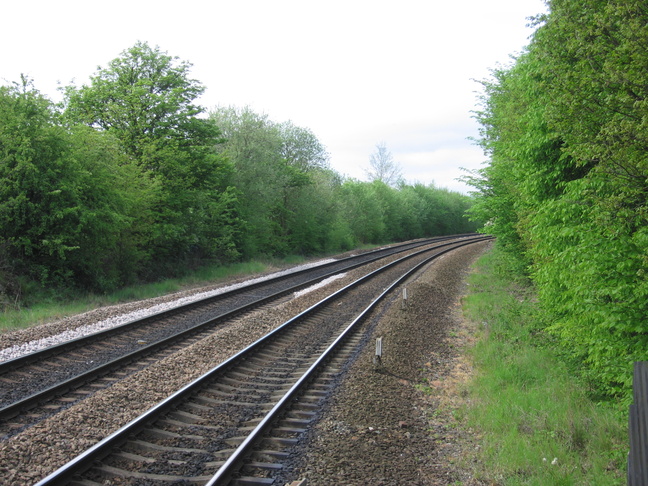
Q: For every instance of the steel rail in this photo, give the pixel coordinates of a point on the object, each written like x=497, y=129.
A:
x=224, y=473
x=85, y=460
x=8, y=365
x=59, y=389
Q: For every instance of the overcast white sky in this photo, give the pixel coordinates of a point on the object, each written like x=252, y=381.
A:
x=355, y=72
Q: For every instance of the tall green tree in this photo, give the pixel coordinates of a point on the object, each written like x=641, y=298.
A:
x=254, y=147
x=303, y=170
x=364, y=212
x=595, y=55
x=276, y=164
x=67, y=198
x=146, y=99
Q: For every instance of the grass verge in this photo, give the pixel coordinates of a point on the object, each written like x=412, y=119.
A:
x=536, y=421
x=50, y=307
x=47, y=304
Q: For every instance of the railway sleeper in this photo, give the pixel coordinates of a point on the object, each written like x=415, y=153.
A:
x=144, y=446
x=283, y=442
x=302, y=414
x=313, y=396
x=272, y=466
x=232, y=387
x=270, y=375
x=111, y=471
x=201, y=399
x=267, y=382
x=288, y=430
x=261, y=362
x=269, y=455
x=197, y=407
x=273, y=355
x=266, y=443
x=276, y=371
x=162, y=434
x=250, y=481
x=136, y=458
x=181, y=424
x=185, y=417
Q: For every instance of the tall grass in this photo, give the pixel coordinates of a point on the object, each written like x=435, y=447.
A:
x=537, y=422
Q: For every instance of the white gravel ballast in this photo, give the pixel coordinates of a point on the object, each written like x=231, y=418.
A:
x=31, y=346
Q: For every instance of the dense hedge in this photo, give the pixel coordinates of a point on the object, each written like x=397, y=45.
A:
x=566, y=129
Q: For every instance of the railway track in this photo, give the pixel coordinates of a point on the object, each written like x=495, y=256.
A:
x=233, y=424
x=40, y=384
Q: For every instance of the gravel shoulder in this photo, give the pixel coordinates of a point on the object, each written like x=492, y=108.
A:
x=397, y=425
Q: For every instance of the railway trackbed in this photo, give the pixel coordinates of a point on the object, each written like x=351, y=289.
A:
x=40, y=384
x=234, y=424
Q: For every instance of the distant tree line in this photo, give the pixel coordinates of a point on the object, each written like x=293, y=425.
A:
x=566, y=191
x=128, y=180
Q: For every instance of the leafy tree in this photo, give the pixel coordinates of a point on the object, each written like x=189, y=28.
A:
x=391, y=209
x=528, y=166
x=30, y=203
x=314, y=222
x=594, y=53
x=303, y=169
x=254, y=147
x=67, y=199
x=115, y=201
x=413, y=212
x=301, y=149
x=145, y=99
x=276, y=167
x=364, y=211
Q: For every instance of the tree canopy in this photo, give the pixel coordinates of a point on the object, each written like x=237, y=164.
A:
x=67, y=196
x=144, y=97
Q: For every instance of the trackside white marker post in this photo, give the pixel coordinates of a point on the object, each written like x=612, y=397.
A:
x=378, y=356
